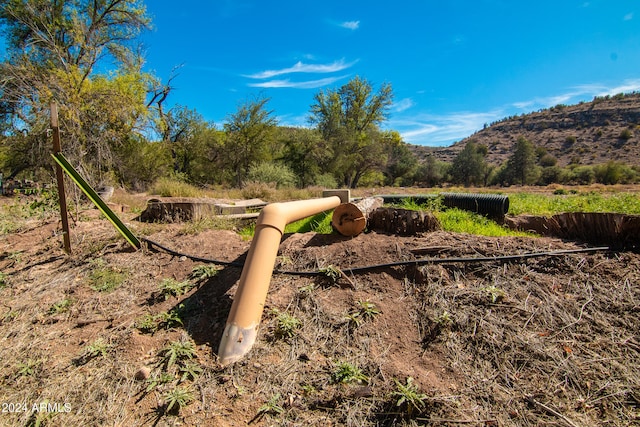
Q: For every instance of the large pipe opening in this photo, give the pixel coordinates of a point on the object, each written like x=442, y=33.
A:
x=242, y=324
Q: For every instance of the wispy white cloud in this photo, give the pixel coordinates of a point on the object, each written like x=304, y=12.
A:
x=578, y=93
x=300, y=67
x=286, y=83
x=438, y=130
x=402, y=105
x=350, y=25
x=628, y=16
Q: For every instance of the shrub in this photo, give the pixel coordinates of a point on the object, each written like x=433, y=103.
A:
x=168, y=187
x=269, y=172
x=626, y=134
x=583, y=175
x=615, y=173
x=547, y=160
x=326, y=181
x=258, y=190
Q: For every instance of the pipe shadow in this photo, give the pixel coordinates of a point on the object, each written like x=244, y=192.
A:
x=319, y=239
x=204, y=313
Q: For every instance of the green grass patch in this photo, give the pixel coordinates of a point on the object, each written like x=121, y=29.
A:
x=547, y=205
x=60, y=307
x=319, y=223
x=106, y=279
x=460, y=221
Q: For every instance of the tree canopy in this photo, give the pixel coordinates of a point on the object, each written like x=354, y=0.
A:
x=54, y=49
x=348, y=119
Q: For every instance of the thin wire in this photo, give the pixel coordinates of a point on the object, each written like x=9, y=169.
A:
x=421, y=261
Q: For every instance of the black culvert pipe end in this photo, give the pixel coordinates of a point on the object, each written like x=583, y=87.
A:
x=491, y=205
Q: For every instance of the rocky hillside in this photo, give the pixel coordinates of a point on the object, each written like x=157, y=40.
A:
x=589, y=133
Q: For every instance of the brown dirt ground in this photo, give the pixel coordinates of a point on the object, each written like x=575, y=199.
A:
x=547, y=341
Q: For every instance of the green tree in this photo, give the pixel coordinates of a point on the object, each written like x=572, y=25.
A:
x=54, y=49
x=521, y=165
x=348, y=119
x=432, y=172
x=402, y=164
x=249, y=136
x=207, y=165
x=181, y=128
x=304, y=152
x=469, y=166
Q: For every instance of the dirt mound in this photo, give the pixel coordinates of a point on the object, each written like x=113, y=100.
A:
x=548, y=340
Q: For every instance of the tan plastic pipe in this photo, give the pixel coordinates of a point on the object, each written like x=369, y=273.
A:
x=248, y=303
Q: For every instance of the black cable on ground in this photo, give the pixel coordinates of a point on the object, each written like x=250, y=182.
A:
x=170, y=251
x=421, y=261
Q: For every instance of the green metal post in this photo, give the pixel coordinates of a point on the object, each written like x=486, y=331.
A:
x=100, y=204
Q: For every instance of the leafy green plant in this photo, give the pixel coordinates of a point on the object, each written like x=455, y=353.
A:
x=541, y=204
x=146, y=323
x=60, y=307
x=368, y=310
x=271, y=407
x=494, y=293
x=157, y=380
x=307, y=290
x=16, y=256
x=331, y=272
x=151, y=323
x=626, y=134
x=168, y=187
x=177, y=398
x=189, y=370
x=200, y=273
x=29, y=367
x=444, y=320
x=409, y=395
x=286, y=324
x=272, y=173
x=354, y=319
x=247, y=232
x=177, y=352
x=98, y=348
x=346, y=373
x=171, y=287
x=3, y=280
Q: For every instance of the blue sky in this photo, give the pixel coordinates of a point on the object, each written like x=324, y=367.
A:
x=454, y=65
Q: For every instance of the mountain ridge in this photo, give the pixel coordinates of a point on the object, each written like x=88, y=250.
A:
x=589, y=133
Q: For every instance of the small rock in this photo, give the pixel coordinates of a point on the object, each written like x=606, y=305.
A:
x=142, y=374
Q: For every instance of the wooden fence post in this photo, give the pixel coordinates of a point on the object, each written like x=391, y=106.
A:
x=60, y=178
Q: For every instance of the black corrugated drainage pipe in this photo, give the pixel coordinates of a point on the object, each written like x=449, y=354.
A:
x=492, y=205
